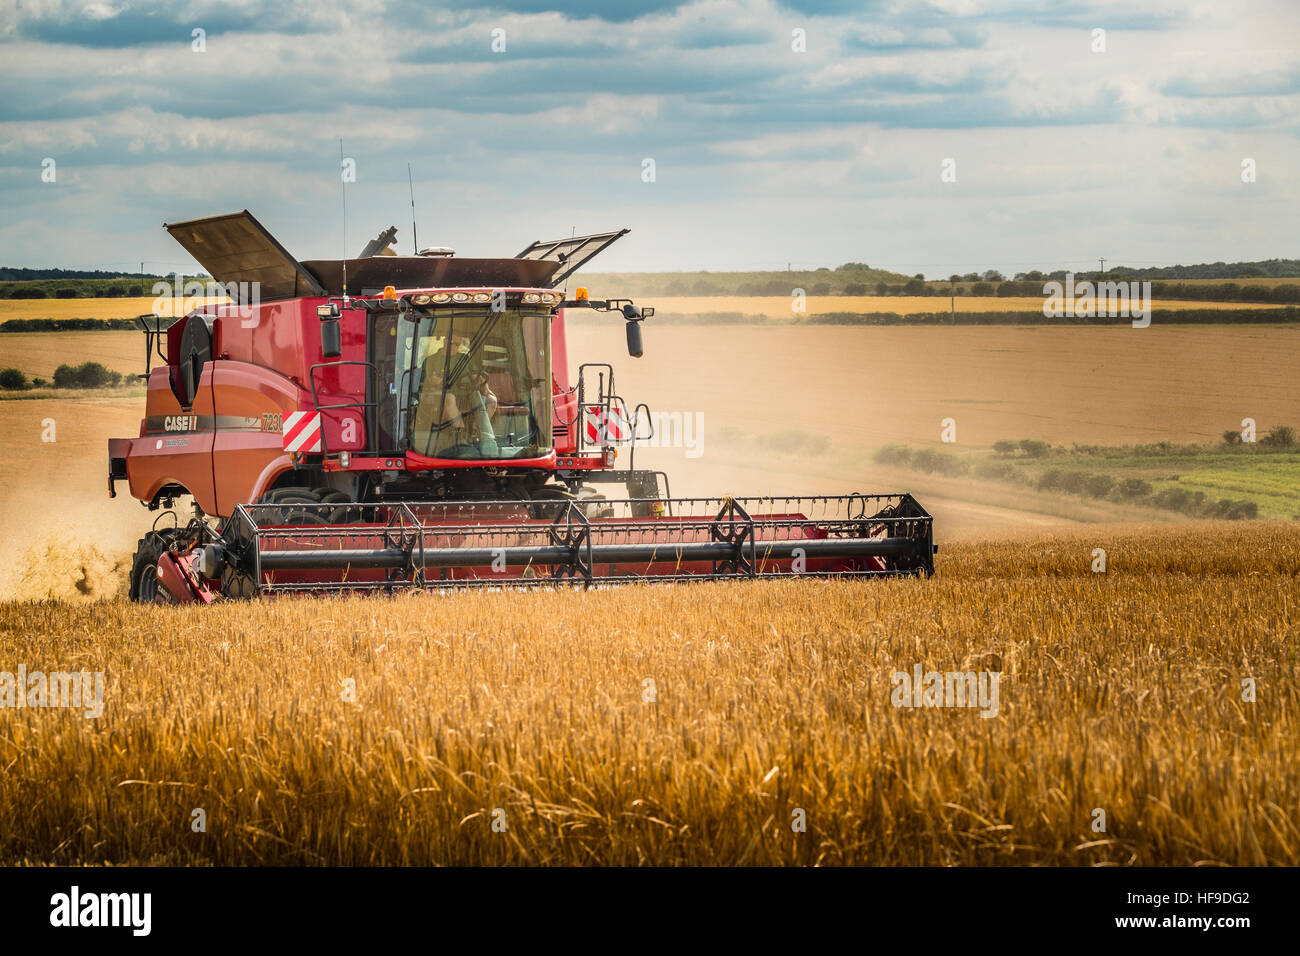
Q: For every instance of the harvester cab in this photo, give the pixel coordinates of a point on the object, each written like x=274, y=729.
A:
x=394, y=421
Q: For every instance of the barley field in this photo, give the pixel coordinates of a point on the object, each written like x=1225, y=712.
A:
x=89, y=308
x=691, y=724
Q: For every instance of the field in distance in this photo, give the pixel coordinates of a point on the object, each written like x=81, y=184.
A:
x=774, y=307
x=731, y=723
x=116, y=308
x=864, y=387
x=785, y=410
x=779, y=307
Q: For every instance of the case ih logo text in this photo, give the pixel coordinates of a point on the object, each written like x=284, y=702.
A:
x=180, y=423
x=134, y=910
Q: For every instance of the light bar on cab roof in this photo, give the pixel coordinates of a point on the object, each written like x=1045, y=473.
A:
x=482, y=295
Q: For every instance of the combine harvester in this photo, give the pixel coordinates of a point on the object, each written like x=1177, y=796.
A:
x=426, y=433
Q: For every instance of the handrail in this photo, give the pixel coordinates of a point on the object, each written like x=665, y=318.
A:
x=371, y=426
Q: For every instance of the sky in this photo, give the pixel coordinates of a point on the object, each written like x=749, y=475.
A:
x=932, y=137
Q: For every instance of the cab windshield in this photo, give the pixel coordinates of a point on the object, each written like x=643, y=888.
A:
x=476, y=383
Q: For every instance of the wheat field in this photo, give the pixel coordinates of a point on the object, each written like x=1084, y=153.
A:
x=92, y=308
x=690, y=724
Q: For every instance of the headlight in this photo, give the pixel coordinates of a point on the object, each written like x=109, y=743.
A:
x=460, y=297
x=421, y=299
x=532, y=297
x=482, y=296
x=442, y=297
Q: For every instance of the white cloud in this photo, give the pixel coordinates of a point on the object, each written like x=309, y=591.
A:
x=762, y=153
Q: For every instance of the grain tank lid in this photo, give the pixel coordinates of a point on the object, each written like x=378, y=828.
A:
x=573, y=253
x=369, y=275
x=237, y=248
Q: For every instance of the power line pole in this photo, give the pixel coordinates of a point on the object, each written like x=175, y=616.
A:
x=1103, y=265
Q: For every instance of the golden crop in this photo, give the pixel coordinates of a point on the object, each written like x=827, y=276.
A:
x=91, y=308
x=1120, y=691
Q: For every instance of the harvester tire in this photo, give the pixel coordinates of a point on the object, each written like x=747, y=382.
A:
x=235, y=584
x=548, y=502
x=286, y=498
x=341, y=514
x=144, y=565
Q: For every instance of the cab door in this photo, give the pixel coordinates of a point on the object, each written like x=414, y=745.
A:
x=392, y=343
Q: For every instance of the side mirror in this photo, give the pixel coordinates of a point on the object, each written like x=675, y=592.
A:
x=331, y=338
x=634, y=338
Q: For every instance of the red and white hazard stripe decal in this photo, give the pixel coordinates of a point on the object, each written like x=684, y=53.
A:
x=301, y=431
x=602, y=427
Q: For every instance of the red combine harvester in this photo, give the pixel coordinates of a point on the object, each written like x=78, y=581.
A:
x=425, y=433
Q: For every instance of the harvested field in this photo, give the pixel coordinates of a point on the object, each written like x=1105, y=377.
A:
x=778, y=307
x=775, y=307
x=1112, y=386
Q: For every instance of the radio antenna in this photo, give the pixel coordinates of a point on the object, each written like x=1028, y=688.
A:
x=411, y=183
x=344, y=182
x=565, y=293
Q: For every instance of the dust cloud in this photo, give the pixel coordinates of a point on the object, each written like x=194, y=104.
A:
x=61, y=536
x=787, y=410
x=796, y=409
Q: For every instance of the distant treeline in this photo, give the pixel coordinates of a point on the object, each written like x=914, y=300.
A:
x=827, y=283
x=1265, y=268
x=851, y=278
x=72, y=288
x=1033, y=288
x=11, y=274
x=852, y=284
x=78, y=288
x=1158, y=317
x=847, y=284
